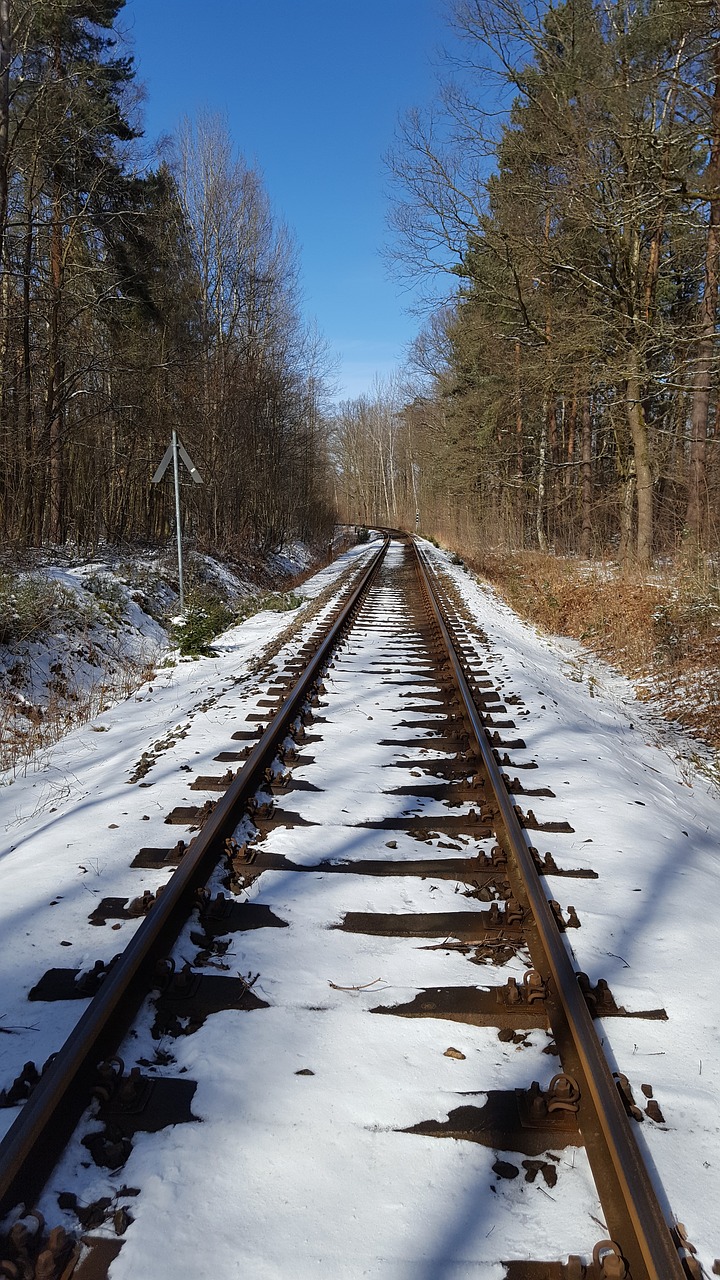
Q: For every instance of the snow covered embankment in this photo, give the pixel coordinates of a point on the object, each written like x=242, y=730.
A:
x=75, y=639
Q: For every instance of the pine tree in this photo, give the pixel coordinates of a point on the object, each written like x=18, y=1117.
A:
x=582, y=243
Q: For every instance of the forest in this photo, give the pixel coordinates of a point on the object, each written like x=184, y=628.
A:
x=561, y=201
x=137, y=296
x=566, y=188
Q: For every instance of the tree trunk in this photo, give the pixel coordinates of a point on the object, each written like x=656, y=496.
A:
x=5, y=60
x=641, y=455
x=696, y=514
x=587, y=485
x=518, y=413
x=570, y=451
x=552, y=454
x=53, y=406
x=32, y=491
x=542, y=462
x=627, y=493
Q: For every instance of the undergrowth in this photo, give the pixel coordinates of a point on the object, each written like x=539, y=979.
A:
x=67, y=654
x=27, y=729
x=207, y=615
x=32, y=605
x=662, y=630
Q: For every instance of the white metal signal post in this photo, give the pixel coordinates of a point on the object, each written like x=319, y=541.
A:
x=174, y=449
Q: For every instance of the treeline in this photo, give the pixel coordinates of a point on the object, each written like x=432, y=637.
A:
x=135, y=299
x=570, y=179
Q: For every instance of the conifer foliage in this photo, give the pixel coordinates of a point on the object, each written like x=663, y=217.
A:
x=573, y=371
x=134, y=300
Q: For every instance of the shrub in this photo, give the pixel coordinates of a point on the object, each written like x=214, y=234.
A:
x=205, y=617
x=279, y=602
x=32, y=605
x=108, y=593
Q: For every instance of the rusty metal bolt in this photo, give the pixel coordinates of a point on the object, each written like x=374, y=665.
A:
x=164, y=970
x=603, y=995
x=536, y=1101
x=557, y=912
x=563, y=1093
x=682, y=1237
x=59, y=1242
x=20, y=1241
x=140, y=906
x=21, y=1087
x=626, y=1094
x=130, y=1088
x=533, y=986
x=586, y=987
x=89, y=982
x=184, y=978
x=609, y=1261
x=513, y=912
x=110, y=1074
x=45, y=1267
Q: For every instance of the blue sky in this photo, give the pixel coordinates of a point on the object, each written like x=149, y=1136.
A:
x=312, y=90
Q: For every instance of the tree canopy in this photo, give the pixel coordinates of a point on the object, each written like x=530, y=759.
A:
x=577, y=379
x=137, y=298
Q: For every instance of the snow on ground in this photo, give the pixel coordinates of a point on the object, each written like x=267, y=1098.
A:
x=274, y=1201
x=647, y=822
x=310, y=1174
x=72, y=824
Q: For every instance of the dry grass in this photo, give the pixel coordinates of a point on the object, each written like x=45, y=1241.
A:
x=662, y=630
x=26, y=731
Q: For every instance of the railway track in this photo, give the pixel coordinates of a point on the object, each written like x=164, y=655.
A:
x=355, y=958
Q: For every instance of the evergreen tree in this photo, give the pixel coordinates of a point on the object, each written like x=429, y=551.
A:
x=581, y=248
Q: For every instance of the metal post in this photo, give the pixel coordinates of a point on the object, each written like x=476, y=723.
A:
x=177, y=453
x=178, y=523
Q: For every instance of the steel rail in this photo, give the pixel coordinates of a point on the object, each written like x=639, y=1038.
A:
x=653, y=1232
x=60, y=1097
